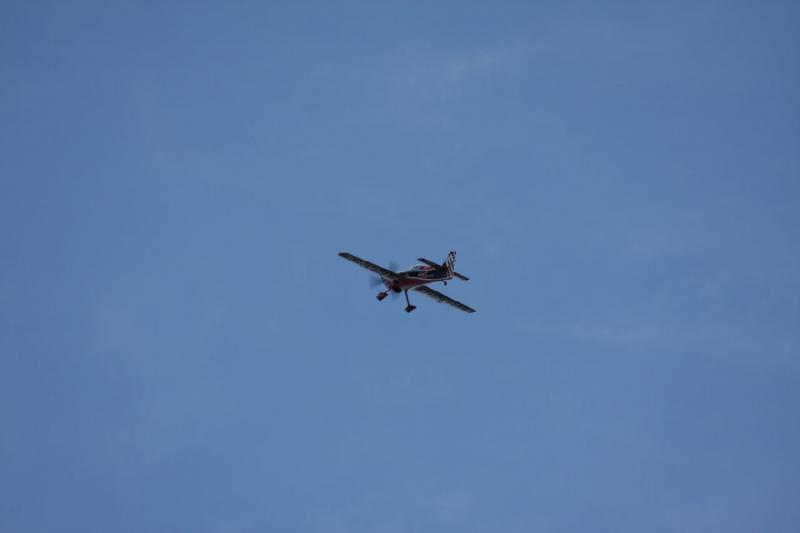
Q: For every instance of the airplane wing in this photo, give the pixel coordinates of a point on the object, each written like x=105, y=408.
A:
x=441, y=298
x=383, y=272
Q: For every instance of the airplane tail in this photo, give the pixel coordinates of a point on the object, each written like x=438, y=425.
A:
x=450, y=263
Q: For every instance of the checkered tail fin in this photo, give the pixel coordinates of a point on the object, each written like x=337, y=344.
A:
x=450, y=263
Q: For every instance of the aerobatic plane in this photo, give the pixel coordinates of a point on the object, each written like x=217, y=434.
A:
x=415, y=278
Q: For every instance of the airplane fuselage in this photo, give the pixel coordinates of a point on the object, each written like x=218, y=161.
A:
x=415, y=278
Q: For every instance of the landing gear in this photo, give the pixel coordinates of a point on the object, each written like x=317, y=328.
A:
x=382, y=295
x=409, y=307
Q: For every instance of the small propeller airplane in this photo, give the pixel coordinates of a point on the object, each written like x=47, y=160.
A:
x=416, y=278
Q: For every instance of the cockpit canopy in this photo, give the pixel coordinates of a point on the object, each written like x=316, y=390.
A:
x=417, y=268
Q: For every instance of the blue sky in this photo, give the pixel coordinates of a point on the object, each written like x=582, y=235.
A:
x=182, y=350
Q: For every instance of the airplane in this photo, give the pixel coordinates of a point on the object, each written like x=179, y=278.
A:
x=416, y=278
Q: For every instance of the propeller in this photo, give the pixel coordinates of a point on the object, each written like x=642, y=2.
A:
x=377, y=281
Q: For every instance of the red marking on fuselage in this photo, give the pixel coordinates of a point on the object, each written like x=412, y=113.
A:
x=408, y=283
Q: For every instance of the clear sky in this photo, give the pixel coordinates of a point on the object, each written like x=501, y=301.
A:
x=181, y=349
